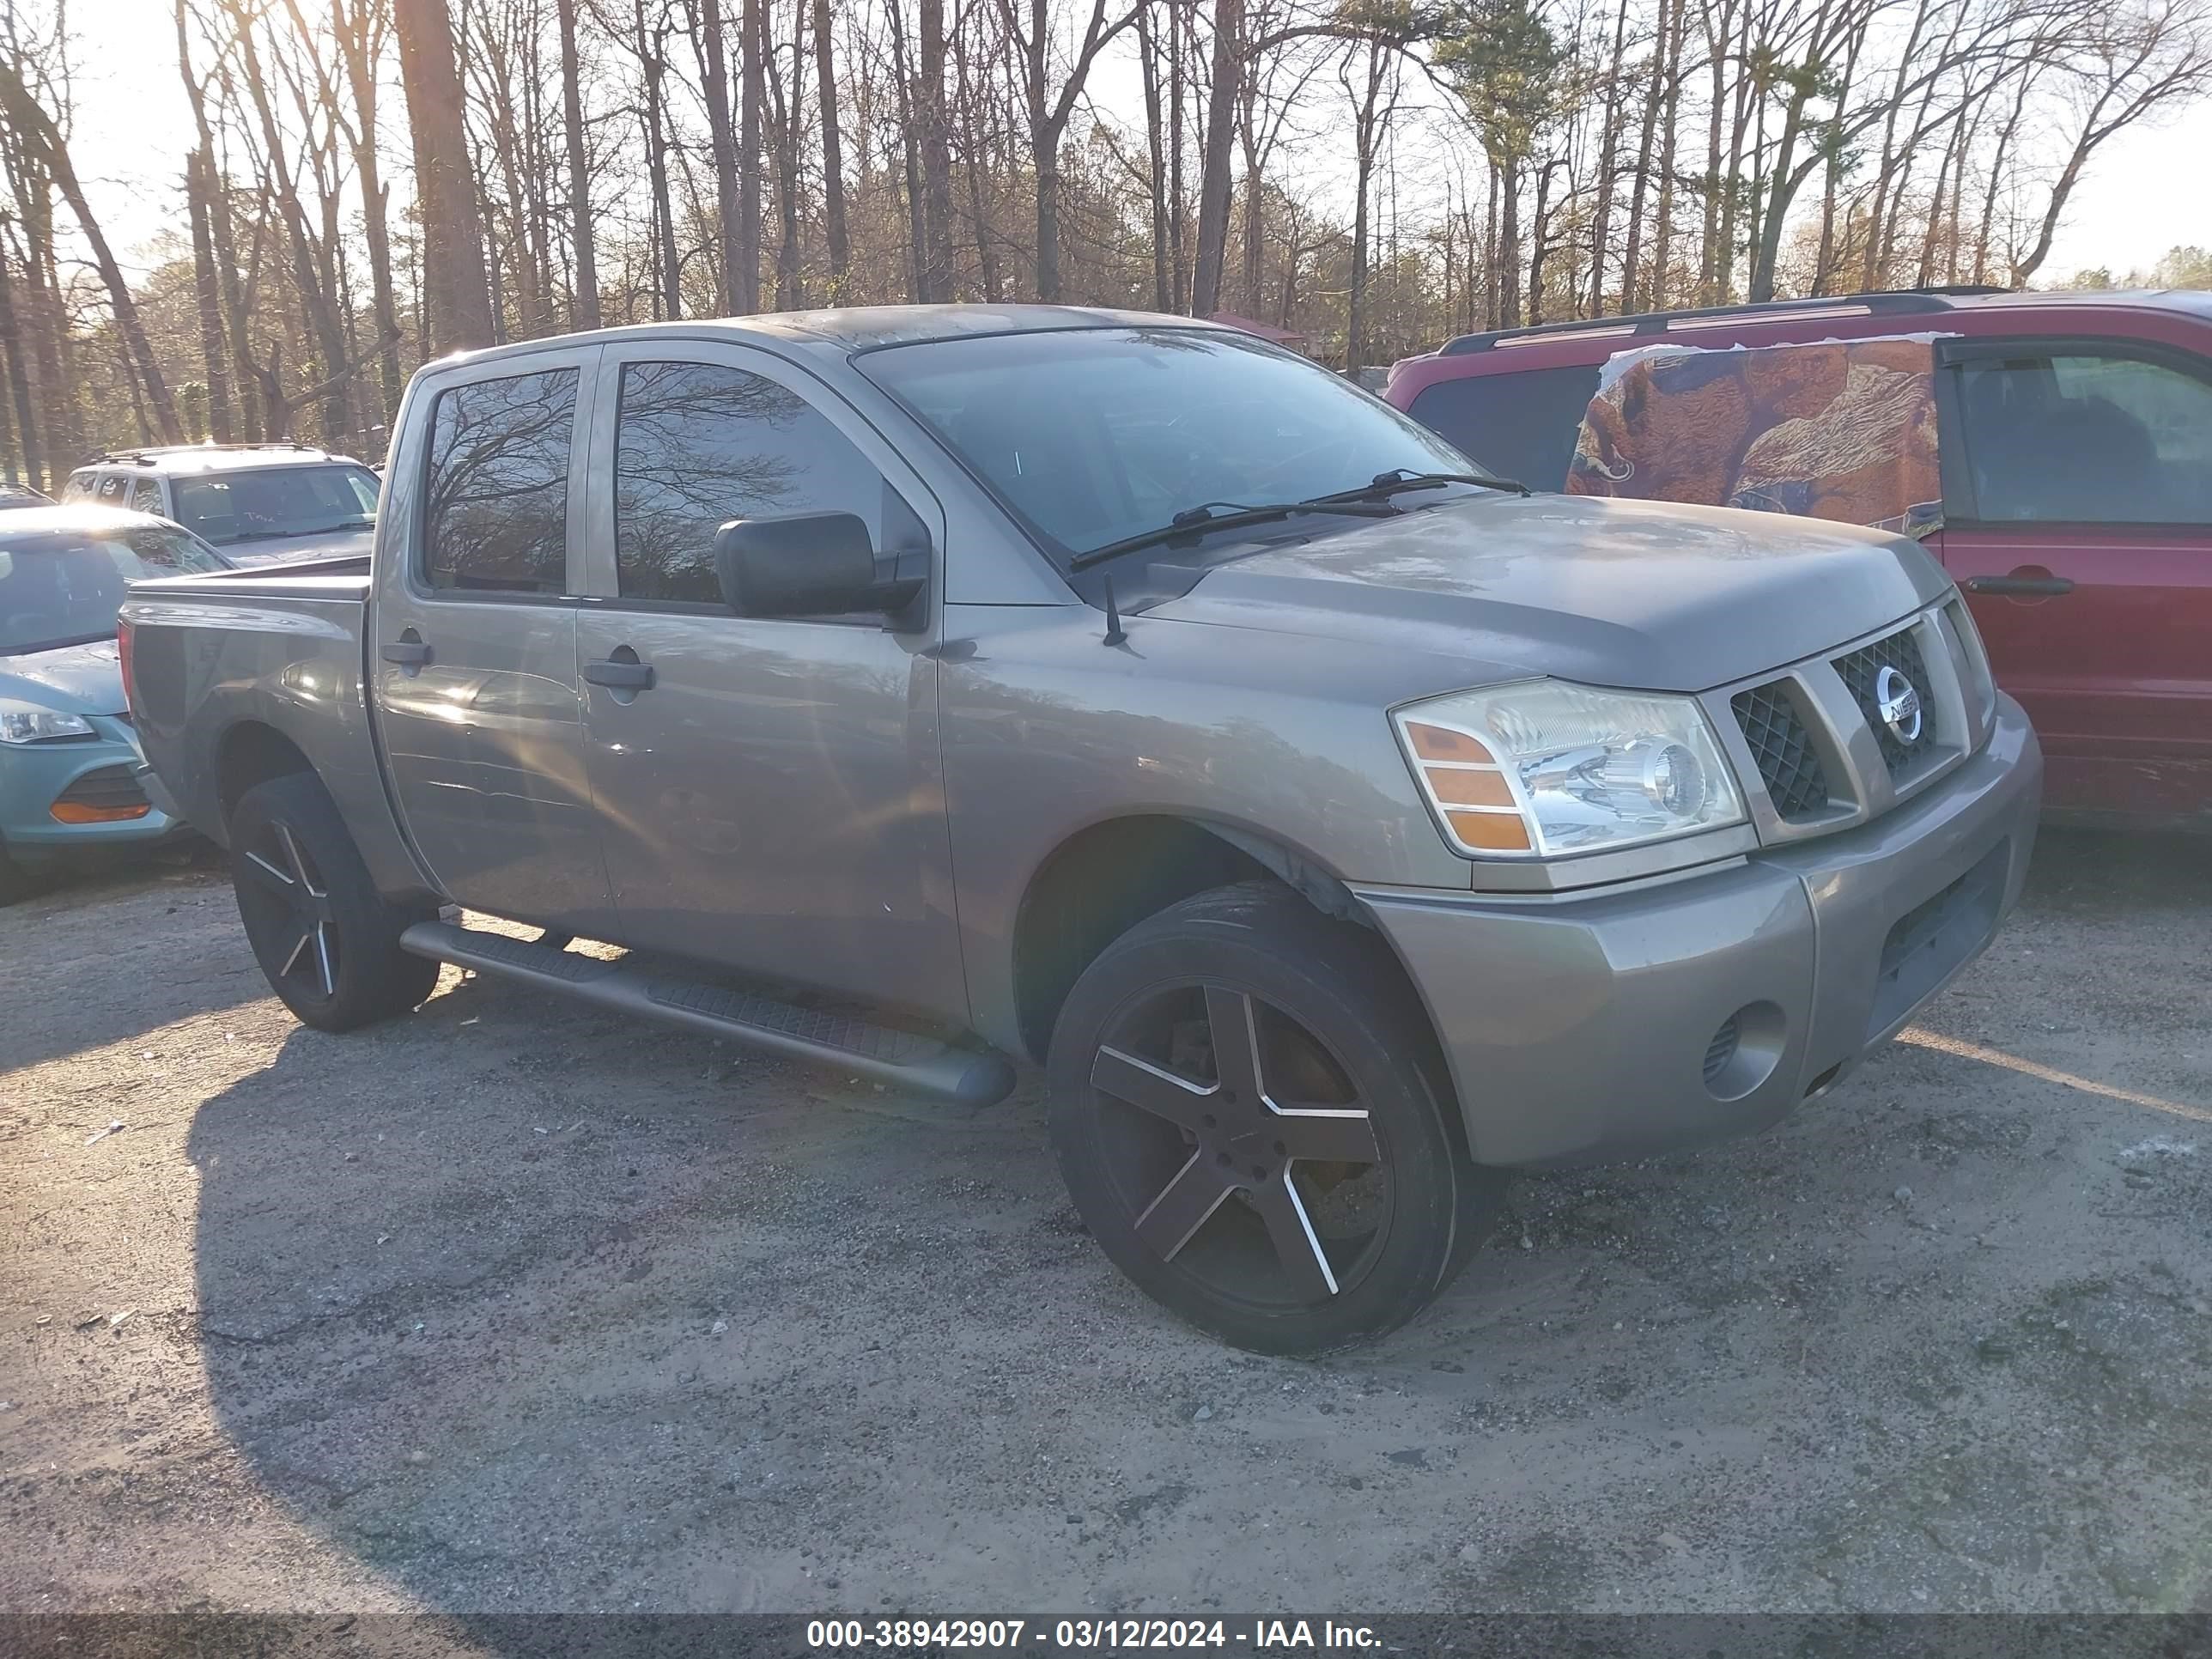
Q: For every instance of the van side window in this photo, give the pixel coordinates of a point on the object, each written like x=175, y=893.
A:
x=2081, y=437
x=1521, y=425
x=699, y=444
x=496, y=517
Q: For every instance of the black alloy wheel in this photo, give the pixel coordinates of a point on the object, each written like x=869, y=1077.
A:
x=1251, y=1117
x=327, y=940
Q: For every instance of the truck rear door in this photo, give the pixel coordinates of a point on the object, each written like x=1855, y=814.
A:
x=473, y=638
x=2078, y=519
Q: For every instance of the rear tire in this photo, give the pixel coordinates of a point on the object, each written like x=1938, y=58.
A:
x=15, y=883
x=1252, y=1119
x=326, y=939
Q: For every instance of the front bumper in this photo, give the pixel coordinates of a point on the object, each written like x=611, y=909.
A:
x=99, y=774
x=1651, y=1016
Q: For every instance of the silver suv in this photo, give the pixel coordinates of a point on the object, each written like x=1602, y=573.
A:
x=262, y=503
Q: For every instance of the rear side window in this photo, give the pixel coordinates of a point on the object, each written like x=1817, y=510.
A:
x=110, y=489
x=146, y=495
x=496, y=512
x=1521, y=425
x=2081, y=437
x=699, y=444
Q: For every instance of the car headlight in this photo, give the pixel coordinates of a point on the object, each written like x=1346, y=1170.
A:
x=26, y=722
x=1543, y=768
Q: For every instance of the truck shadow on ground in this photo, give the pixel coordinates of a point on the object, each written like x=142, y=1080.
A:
x=526, y=1309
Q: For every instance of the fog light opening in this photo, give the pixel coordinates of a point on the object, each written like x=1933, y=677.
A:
x=1744, y=1049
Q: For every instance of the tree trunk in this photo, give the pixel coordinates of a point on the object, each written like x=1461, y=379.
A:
x=715, y=78
x=19, y=383
x=653, y=60
x=1148, y=66
x=208, y=290
x=358, y=44
x=1608, y=163
x=746, y=295
x=32, y=120
x=1213, y=175
x=456, y=296
x=937, y=279
x=583, y=250
x=832, y=160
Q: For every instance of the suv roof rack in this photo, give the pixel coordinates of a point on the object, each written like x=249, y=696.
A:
x=145, y=454
x=1903, y=303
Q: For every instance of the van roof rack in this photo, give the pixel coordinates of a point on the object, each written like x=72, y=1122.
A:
x=1900, y=302
x=145, y=454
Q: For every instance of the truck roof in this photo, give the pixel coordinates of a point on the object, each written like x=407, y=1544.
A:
x=861, y=328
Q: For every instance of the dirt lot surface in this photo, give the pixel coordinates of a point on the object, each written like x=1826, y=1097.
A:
x=509, y=1306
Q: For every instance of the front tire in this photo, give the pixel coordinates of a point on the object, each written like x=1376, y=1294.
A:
x=1252, y=1118
x=326, y=939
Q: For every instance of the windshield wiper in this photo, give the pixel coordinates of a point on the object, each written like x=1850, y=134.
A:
x=1227, y=515
x=1384, y=485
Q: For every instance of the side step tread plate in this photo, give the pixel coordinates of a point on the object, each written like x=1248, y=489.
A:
x=972, y=1077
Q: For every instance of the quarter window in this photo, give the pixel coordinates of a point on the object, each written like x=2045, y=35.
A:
x=699, y=444
x=2086, y=438
x=496, y=517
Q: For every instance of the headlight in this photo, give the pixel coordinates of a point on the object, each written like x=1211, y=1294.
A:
x=1543, y=768
x=26, y=722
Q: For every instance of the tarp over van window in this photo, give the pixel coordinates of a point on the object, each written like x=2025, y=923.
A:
x=1842, y=429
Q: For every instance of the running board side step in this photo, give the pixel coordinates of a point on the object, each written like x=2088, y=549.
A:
x=967, y=1076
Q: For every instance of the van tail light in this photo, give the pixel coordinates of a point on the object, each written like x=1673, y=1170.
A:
x=123, y=655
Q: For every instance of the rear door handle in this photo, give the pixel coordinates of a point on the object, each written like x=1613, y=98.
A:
x=407, y=653
x=2043, y=585
x=619, y=675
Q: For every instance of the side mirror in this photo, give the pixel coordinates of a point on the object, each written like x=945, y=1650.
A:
x=810, y=564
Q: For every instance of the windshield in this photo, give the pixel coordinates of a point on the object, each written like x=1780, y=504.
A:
x=1092, y=435
x=277, y=500
x=65, y=588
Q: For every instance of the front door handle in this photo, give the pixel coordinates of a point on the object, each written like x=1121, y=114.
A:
x=409, y=651
x=617, y=675
x=2038, y=587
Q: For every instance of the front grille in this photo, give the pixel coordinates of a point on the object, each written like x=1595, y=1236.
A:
x=1795, y=781
x=108, y=789
x=1861, y=671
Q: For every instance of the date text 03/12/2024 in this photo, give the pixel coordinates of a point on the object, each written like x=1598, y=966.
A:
x=1088, y=1635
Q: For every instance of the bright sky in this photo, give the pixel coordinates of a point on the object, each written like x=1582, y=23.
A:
x=133, y=128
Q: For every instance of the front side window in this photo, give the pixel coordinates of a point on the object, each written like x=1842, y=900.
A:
x=1088, y=436
x=65, y=587
x=496, y=513
x=697, y=445
x=270, y=503
x=2079, y=437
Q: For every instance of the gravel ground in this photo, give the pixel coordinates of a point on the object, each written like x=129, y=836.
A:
x=509, y=1306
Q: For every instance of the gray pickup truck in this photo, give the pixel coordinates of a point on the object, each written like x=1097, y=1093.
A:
x=1338, y=824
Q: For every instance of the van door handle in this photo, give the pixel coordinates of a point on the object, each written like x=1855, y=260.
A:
x=2046, y=586
x=407, y=650
x=619, y=675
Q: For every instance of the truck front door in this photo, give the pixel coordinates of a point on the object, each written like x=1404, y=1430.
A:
x=769, y=789
x=2078, y=519
x=473, y=642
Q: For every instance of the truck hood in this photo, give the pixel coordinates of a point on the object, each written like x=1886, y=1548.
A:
x=331, y=544
x=72, y=679
x=1646, y=594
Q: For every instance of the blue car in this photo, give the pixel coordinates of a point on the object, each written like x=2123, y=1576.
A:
x=69, y=788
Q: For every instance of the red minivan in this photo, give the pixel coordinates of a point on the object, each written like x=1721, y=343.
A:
x=2075, y=446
